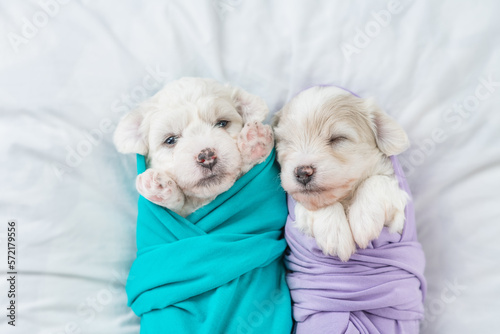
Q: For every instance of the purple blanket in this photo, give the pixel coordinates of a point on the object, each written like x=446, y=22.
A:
x=379, y=290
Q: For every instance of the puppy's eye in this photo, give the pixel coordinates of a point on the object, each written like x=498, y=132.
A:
x=222, y=124
x=337, y=139
x=171, y=140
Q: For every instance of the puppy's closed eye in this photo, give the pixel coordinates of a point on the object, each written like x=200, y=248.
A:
x=334, y=140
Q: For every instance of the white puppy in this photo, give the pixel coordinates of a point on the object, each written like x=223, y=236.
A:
x=199, y=136
x=334, y=149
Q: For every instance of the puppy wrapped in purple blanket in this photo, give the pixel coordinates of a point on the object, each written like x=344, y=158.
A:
x=379, y=290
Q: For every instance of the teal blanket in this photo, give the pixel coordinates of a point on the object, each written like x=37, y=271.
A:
x=220, y=269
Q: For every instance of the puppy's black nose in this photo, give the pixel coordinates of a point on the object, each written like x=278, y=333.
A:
x=304, y=174
x=207, y=158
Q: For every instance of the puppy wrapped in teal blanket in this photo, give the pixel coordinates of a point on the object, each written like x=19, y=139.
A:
x=220, y=269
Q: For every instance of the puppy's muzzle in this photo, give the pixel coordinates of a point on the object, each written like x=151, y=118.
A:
x=207, y=158
x=304, y=174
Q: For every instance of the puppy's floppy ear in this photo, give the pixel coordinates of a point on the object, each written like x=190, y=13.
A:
x=130, y=135
x=390, y=136
x=276, y=118
x=250, y=107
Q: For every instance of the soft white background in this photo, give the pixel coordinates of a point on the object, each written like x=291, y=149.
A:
x=89, y=62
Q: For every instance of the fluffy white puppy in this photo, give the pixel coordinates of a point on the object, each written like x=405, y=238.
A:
x=198, y=136
x=334, y=149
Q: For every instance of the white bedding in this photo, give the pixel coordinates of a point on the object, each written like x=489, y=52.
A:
x=70, y=69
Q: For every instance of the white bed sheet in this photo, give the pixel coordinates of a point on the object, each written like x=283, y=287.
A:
x=71, y=73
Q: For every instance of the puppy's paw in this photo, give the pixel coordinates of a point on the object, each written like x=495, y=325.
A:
x=366, y=223
x=396, y=221
x=378, y=201
x=332, y=233
x=255, y=142
x=304, y=219
x=397, y=224
x=160, y=189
